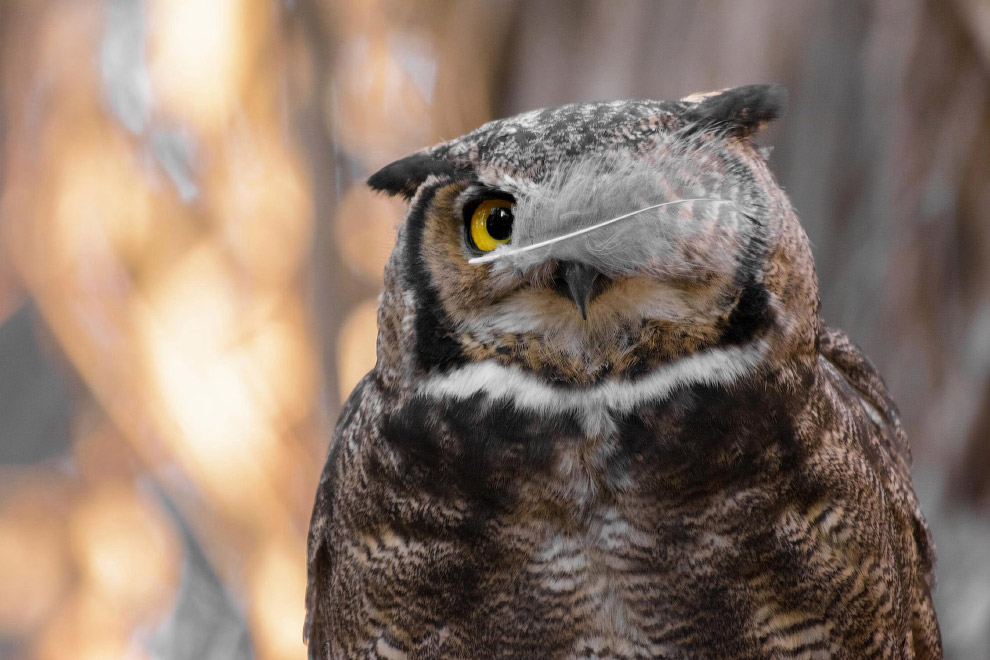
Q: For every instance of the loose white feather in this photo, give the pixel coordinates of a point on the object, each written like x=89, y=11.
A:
x=666, y=212
x=508, y=251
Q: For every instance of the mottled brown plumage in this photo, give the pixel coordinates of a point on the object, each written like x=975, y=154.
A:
x=698, y=469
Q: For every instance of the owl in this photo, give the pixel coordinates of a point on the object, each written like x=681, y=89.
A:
x=607, y=420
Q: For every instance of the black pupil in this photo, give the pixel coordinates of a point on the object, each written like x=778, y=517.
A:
x=499, y=223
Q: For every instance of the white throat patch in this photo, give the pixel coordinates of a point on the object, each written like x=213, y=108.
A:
x=595, y=405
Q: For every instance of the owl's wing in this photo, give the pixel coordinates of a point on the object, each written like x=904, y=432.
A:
x=862, y=376
x=319, y=561
x=858, y=372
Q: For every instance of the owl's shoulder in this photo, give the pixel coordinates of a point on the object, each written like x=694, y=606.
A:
x=858, y=390
x=355, y=421
x=861, y=388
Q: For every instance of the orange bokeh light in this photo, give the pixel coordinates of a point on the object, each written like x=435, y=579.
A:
x=198, y=56
x=365, y=223
x=127, y=552
x=278, y=587
x=34, y=562
x=84, y=629
x=356, y=345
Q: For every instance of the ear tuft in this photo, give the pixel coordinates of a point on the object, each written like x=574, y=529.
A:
x=739, y=111
x=404, y=176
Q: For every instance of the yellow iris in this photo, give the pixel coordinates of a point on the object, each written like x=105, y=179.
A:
x=491, y=224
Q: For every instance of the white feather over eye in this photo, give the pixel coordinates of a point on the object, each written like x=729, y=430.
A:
x=626, y=213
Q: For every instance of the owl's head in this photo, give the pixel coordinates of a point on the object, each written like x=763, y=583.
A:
x=597, y=241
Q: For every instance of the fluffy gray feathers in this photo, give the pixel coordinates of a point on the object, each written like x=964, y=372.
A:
x=679, y=187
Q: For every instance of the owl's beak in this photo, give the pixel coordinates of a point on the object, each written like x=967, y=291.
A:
x=579, y=282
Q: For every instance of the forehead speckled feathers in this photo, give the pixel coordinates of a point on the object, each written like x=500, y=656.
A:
x=530, y=145
x=533, y=143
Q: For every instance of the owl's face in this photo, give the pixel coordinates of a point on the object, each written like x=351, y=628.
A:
x=596, y=241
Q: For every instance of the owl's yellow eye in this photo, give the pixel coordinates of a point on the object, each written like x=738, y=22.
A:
x=491, y=224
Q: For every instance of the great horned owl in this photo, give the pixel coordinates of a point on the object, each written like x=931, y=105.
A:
x=607, y=420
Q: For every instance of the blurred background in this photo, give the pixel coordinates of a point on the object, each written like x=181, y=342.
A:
x=189, y=262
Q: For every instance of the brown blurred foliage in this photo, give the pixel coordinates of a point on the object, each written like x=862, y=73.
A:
x=189, y=262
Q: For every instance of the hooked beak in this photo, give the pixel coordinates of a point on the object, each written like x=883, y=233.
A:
x=580, y=283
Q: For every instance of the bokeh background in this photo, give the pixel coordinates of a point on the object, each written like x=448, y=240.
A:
x=189, y=263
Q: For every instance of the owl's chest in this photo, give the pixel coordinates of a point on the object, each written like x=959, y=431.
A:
x=596, y=576
x=622, y=573
x=595, y=542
